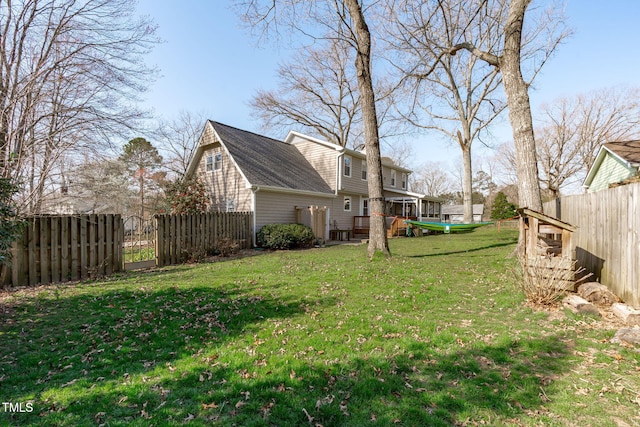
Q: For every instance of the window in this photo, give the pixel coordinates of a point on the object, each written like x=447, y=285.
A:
x=403, y=183
x=217, y=165
x=231, y=205
x=393, y=178
x=365, y=207
x=364, y=170
x=347, y=166
x=209, y=164
x=347, y=203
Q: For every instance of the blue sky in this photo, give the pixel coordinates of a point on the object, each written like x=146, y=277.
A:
x=210, y=64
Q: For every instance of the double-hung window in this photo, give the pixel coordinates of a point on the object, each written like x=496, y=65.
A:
x=217, y=162
x=364, y=170
x=346, y=166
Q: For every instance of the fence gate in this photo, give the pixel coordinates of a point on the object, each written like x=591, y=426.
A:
x=139, y=245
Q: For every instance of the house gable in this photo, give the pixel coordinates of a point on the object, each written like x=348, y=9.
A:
x=261, y=161
x=614, y=163
x=224, y=181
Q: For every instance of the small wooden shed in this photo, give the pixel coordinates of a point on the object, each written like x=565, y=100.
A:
x=547, y=245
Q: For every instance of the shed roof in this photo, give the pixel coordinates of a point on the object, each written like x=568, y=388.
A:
x=547, y=219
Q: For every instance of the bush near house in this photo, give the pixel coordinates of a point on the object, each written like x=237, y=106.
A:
x=285, y=236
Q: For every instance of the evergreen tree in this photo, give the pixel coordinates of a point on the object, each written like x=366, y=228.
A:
x=142, y=160
x=502, y=208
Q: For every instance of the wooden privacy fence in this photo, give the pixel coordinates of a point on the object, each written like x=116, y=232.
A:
x=63, y=248
x=607, y=241
x=76, y=247
x=179, y=237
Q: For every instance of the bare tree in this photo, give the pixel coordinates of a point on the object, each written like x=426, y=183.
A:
x=432, y=179
x=508, y=58
x=98, y=186
x=317, y=92
x=177, y=139
x=337, y=20
x=460, y=95
x=361, y=36
x=70, y=72
x=504, y=158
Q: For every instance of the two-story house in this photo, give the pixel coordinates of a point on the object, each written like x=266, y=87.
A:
x=244, y=171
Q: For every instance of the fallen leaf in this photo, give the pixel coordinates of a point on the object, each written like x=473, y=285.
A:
x=309, y=417
x=211, y=405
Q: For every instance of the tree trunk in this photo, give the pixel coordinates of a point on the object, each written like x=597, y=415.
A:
x=377, y=228
x=520, y=108
x=467, y=172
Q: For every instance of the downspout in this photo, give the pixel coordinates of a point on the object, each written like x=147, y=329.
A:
x=254, y=190
x=339, y=172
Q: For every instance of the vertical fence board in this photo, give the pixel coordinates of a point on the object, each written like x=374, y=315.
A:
x=84, y=253
x=101, y=249
x=44, y=249
x=75, y=248
x=118, y=249
x=91, y=249
x=159, y=240
x=55, y=249
x=108, y=240
x=65, y=247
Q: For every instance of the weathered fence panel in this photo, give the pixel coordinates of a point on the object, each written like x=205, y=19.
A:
x=180, y=237
x=607, y=241
x=63, y=248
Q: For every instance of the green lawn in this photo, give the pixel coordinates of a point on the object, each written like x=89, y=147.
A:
x=438, y=335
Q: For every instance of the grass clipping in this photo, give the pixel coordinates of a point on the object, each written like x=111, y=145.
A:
x=545, y=279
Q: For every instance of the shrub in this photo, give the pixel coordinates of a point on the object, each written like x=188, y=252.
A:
x=186, y=196
x=285, y=236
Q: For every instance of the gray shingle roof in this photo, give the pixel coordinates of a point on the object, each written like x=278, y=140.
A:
x=628, y=150
x=269, y=162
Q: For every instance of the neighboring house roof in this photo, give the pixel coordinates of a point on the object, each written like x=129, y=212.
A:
x=627, y=152
x=266, y=162
x=478, y=209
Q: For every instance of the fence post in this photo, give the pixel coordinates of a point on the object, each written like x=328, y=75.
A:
x=159, y=227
